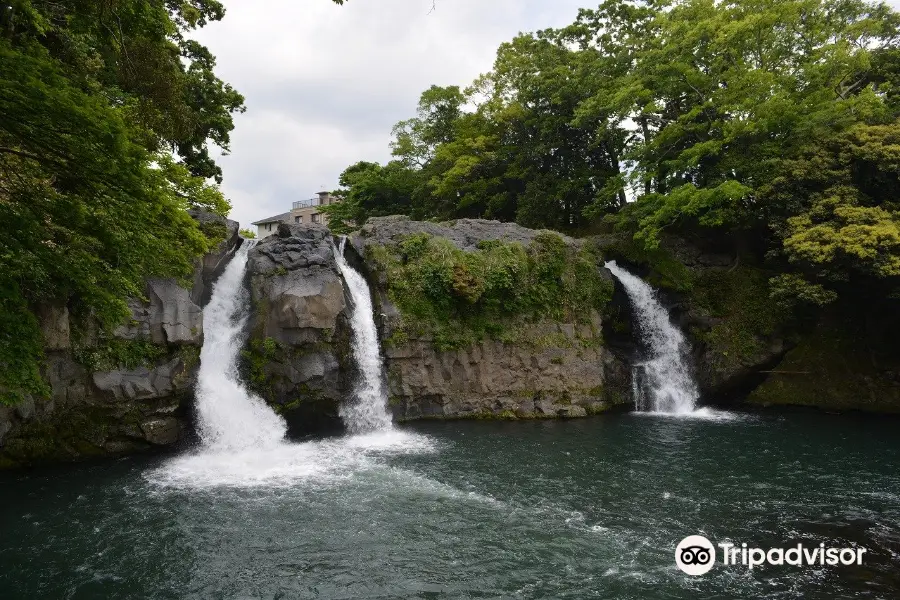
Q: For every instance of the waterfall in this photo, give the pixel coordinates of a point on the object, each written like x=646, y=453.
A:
x=367, y=410
x=229, y=416
x=664, y=383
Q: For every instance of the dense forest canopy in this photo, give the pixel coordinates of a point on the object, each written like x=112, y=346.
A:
x=107, y=113
x=768, y=123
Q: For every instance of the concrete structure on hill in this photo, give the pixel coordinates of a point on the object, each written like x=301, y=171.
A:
x=302, y=211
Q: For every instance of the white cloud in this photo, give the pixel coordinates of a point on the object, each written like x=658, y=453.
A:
x=325, y=83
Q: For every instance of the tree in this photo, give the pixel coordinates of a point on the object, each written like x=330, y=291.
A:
x=369, y=189
x=247, y=234
x=94, y=98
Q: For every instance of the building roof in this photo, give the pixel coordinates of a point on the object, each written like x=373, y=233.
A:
x=276, y=219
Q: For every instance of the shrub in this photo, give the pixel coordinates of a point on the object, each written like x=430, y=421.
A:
x=460, y=297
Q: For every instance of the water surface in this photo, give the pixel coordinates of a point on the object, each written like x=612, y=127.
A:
x=576, y=509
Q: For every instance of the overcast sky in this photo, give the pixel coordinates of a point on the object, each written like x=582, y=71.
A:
x=324, y=83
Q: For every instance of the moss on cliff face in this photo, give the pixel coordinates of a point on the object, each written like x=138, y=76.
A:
x=835, y=367
x=745, y=316
x=458, y=298
x=111, y=354
x=84, y=433
x=664, y=270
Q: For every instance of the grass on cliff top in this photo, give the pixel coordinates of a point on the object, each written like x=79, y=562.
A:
x=461, y=297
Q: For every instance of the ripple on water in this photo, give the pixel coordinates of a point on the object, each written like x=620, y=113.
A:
x=701, y=414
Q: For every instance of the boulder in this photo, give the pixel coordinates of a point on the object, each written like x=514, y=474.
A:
x=296, y=357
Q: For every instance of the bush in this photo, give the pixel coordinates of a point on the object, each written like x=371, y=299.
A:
x=460, y=297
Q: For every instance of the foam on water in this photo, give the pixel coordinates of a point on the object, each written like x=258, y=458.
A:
x=242, y=438
x=285, y=464
x=700, y=414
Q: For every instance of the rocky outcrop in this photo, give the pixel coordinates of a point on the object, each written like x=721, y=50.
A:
x=123, y=394
x=533, y=368
x=560, y=377
x=298, y=353
x=167, y=316
x=721, y=302
x=844, y=361
x=298, y=343
x=463, y=233
x=211, y=265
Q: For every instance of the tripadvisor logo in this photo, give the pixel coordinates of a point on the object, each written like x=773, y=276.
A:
x=695, y=555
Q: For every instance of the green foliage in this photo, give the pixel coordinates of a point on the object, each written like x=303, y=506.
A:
x=256, y=356
x=370, y=190
x=664, y=269
x=92, y=199
x=115, y=354
x=840, y=365
x=195, y=191
x=741, y=300
x=21, y=347
x=461, y=297
x=215, y=232
x=790, y=290
x=247, y=234
x=770, y=124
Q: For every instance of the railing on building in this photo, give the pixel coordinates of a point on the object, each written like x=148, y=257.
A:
x=307, y=203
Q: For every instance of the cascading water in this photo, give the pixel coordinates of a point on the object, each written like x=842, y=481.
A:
x=243, y=440
x=663, y=383
x=229, y=416
x=367, y=410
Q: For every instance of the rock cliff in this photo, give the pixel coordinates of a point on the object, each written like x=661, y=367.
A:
x=474, y=359
x=720, y=301
x=298, y=343
x=504, y=337
x=123, y=394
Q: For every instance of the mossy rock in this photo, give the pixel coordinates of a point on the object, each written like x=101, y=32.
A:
x=746, y=318
x=834, y=368
x=663, y=269
x=457, y=298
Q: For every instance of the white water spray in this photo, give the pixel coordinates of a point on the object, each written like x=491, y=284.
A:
x=229, y=416
x=367, y=410
x=243, y=439
x=663, y=383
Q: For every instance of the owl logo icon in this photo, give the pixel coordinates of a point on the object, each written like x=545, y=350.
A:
x=695, y=555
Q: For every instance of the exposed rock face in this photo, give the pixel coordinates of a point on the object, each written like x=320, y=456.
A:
x=99, y=407
x=299, y=334
x=169, y=317
x=497, y=379
x=94, y=414
x=552, y=369
x=464, y=233
x=298, y=354
x=210, y=266
x=846, y=361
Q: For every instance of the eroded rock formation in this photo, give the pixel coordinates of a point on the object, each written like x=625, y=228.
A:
x=119, y=395
x=295, y=357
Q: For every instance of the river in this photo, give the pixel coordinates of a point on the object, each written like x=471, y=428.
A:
x=545, y=509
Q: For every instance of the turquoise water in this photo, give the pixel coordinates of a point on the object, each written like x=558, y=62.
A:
x=576, y=509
